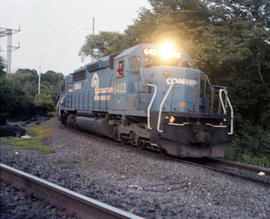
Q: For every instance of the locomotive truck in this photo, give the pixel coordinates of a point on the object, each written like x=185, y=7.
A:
x=149, y=95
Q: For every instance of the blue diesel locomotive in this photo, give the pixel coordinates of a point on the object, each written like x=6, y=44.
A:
x=149, y=96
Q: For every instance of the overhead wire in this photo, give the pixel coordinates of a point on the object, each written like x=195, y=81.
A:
x=51, y=5
x=74, y=19
x=51, y=26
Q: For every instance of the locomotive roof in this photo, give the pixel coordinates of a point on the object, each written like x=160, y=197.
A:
x=133, y=49
x=105, y=61
x=128, y=51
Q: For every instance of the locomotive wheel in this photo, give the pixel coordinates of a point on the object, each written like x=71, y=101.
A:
x=123, y=140
x=115, y=134
x=141, y=144
x=134, y=139
x=71, y=122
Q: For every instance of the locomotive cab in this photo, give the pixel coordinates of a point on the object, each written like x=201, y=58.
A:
x=179, y=113
x=162, y=83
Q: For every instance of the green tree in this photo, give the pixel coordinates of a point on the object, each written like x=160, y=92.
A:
x=44, y=101
x=102, y=44
x=51, y=83
x=12, y=96
x=2, y=67
x=29, y=80
x=20, y=90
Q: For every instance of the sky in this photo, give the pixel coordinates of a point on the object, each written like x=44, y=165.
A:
x=53, y=31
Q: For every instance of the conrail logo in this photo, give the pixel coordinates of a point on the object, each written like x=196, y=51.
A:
x=103, y=94
x=180, y=81
x=95, y=81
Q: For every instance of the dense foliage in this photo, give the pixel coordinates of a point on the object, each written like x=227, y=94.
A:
x=44, y=100
x=105, y=43
x=2, y=67
x=20, y=90
x=230, y=42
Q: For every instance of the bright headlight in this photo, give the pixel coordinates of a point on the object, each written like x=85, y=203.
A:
x=177, y=55
x=165, y=51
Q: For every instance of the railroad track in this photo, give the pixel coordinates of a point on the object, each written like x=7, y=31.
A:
x=250, y=172
x=61, y=197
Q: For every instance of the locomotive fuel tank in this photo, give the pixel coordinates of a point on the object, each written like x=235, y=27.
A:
x=94, y=125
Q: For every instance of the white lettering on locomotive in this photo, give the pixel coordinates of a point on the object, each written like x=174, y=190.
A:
x=181, y=81
x=101, y=94
x=77, y=86
x=120, y=88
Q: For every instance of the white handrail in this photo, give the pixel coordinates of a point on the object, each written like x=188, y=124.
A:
x=150, y=104
x=231, y=132
x=59, y=103
x=179, y=124
x=161, y=105
x=224, y=109
x=216, y=126
x=221, y=100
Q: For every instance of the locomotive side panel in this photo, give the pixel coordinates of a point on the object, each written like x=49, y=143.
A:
x=100, y=90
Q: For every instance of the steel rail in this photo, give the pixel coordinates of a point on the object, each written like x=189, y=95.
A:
x=245, y=171
x=252, y=168
x=61, y=197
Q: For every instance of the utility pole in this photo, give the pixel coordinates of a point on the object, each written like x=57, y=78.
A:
x=10, y=48
x=93, y=33
x=93, y=26
x=39, y=69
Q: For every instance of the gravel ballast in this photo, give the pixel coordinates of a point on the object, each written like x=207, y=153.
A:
x=141, y=182
x=18, y=204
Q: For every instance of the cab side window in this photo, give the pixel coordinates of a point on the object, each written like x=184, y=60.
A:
x=135, y=64
x=120, y=68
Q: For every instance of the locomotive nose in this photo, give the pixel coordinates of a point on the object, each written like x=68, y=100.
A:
x=201, y=135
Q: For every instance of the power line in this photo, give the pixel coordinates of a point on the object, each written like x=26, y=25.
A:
x=51, y=5
x=71, y=15
x=48, y=23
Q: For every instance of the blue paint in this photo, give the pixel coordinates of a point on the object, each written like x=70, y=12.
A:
x=103, y=90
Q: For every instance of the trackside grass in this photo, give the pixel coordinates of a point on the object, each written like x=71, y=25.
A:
x=38, y=135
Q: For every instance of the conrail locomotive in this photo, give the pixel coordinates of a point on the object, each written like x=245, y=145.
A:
x=149, y=95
